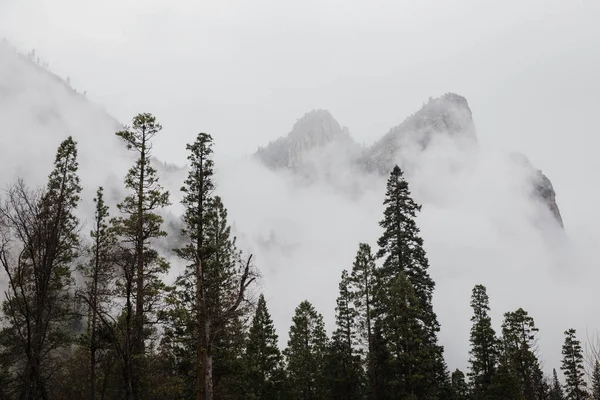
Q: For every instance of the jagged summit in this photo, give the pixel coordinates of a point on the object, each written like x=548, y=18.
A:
x=446, y=115
x=315, y=129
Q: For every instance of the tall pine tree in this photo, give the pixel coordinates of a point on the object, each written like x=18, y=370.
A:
x=137, y=227
x=401, y=249
x=572, y=367
x=556, y=391
x=484, y=344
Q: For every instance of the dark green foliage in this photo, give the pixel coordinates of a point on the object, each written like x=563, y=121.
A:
x=595, y=389
x=142, y=266
x=343, y=366
x=484, y=344
x=556, y=391
x=362, y=287
x=263, y=360
x=39, y=243
x=460, y=389
x=305, y=355
x=519, y=345
x=380, y=356
x=414, y=349
x=506, y=384
x=572, y=367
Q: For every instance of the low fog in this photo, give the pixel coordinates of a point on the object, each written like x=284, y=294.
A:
x=479, y=221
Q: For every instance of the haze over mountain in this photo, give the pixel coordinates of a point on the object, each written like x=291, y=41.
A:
x=304, y=220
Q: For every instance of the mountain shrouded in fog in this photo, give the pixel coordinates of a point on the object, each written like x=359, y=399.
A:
x=307, y=150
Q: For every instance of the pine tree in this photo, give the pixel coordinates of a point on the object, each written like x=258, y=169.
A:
x=380, y=364
x=305, y=354
x=506, y=384
x=410, y=357
x=460, y=388
x=595, y=389
x=344, y=370
x=142, y=265
x=484, y=344
x=40, y=242
x=215, y=281
x=519, y=343
x=556, y=391
x=361, y=287
x=572, y=366
x=98, y=274
x=263, y=360
x=402, y=251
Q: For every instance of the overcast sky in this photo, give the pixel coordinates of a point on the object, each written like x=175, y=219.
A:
x=246, y=70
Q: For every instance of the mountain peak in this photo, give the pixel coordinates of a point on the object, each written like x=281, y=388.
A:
x=316, y=129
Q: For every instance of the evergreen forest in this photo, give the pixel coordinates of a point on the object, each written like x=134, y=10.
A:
x=89, y=313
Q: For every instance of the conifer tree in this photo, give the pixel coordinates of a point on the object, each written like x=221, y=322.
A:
x=38, y=246
x=519, y=343
x=263, y=359
x=344, y=370
x=305, y=354
x=98, y=274
x=460, y=388
x=142, y=266
x=595, y=389
x=484, y=344
x=506, y=384
x=401, y=249
x=572, y=367
x=362, y=286
x=380, y=361
x=556, y=391
x=214, y=283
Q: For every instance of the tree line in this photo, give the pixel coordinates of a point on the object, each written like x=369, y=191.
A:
x=90, y=315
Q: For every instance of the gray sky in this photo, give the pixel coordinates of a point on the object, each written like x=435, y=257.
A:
x=245, y=71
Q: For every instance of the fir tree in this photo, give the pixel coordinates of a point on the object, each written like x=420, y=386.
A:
x=142, y=265
x=344, y=370
x=572, y=367
x=556, y=391
x=263, y=359
x=40, y=242
x=305, y=354
x=362, y=286
x=505, y=384
x=484, y=344
x=595, y=389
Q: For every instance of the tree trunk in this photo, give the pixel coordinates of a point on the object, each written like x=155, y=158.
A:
x=201, y=344
x=208, y=373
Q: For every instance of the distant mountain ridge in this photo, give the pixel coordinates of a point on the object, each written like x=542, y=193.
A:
x=448, y=115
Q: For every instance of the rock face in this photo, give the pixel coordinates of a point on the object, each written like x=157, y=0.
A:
x=448, y=116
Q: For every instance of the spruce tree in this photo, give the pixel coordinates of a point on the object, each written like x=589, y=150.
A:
x=40, y=243
x=142, y=266
x=484, y=344
x=344, y=370
x=572, y=367
x=401, y=249
x=305, y=354
x=595, y=389
x=361, y=287
x=263, y=360
x=556, y=391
